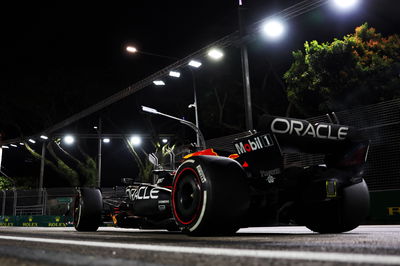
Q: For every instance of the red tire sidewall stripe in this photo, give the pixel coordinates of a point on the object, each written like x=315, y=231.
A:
x=173, y=196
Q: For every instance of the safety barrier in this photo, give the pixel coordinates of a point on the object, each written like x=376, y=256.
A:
x=37, y=221
x=385, y=207
x=35, y=202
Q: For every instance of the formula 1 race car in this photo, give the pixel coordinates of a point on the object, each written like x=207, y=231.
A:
x=208, y=194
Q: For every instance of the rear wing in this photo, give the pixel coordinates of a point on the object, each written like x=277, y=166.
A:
x=342, y=146
x=297, y=135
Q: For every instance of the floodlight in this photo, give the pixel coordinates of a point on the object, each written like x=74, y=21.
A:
x=215, y=54
x=69, y=139
x=106, y=140
x=131, y=49
x=345, y=4
x=175, y=74
x=194, y=63
x=149, y=110
x=164, y=141
x=31, y=141
x=135, y=140
x=273, y=29
x=159, y=83
x=44, y=137
x=13, y=145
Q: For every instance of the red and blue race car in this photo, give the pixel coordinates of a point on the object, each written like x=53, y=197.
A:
x=208, y=194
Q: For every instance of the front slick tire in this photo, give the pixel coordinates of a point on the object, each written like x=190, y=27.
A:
x=210, y=196
x=88, y=207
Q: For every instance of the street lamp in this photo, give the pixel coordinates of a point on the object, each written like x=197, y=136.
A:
x=345, y=4
x=273, y=29
x=194, y=63
x=190, y=124
x=133, y=50
x=174, y=74
x=215, y=54
x=159, y=82
x=69, y=139
x=135, y=140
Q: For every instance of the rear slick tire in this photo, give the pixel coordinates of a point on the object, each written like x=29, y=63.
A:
x=88, y=207
x=351, y=210
x=210, y=196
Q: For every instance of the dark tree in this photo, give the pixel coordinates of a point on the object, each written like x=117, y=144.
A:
x=362, y=68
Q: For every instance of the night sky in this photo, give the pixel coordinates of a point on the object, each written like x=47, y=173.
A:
x=59, y=60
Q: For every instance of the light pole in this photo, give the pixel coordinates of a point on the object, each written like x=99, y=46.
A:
x=42, y=160
x=245, y=72
x=99, y=131
x=190, y=124
x=194, y=105
x=133, y=50
x=273, y=29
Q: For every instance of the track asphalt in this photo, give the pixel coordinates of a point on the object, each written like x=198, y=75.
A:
x=366, y=245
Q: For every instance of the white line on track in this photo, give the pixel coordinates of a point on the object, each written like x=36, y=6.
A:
x=263, y=254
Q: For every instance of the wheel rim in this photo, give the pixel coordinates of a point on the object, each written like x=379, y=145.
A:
x=187, y=197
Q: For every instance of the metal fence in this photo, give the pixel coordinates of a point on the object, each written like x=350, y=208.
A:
x=52, y=201
x=380, y=122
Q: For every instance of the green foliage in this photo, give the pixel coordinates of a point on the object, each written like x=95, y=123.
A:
x=6, y=183
x=88, y=171
x=146, y=172
x=362, y=68
x=76, y=172
x=163, y=154
x=145, y=166
x=25, y=182
x=21, y=182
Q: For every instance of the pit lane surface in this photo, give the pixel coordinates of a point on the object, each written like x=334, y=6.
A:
x=366, y=245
